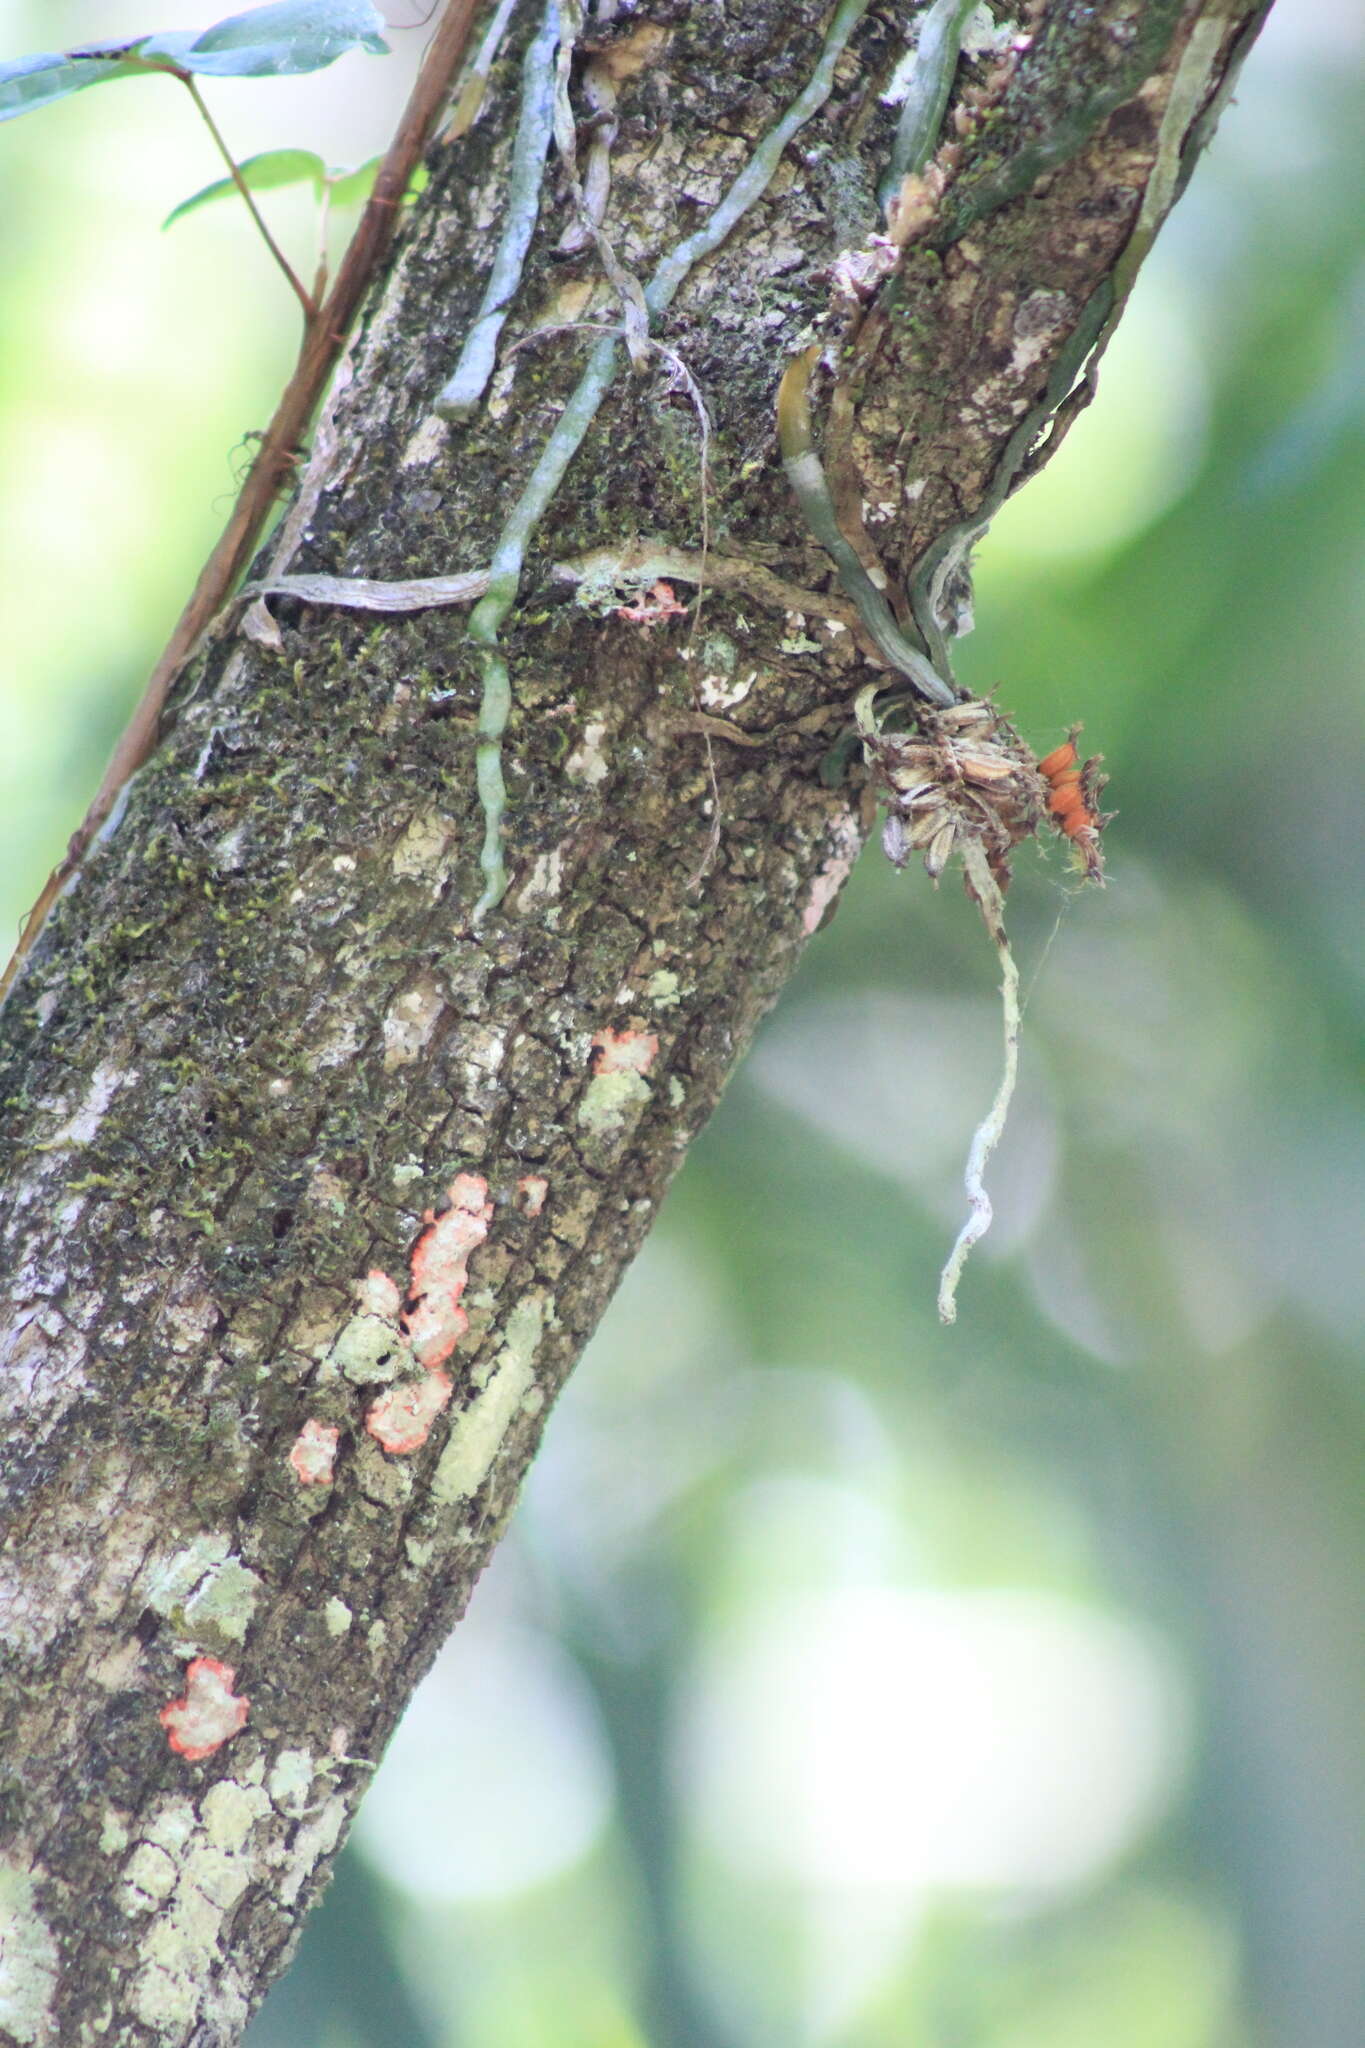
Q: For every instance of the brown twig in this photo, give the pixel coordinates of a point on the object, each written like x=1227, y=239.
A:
x=325, y=338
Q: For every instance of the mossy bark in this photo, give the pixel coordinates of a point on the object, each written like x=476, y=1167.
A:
x=270, y=1096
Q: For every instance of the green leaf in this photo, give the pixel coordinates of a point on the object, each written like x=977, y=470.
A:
x=349, y=188
x=352, y=188
x=263, y=173
x=277, y=41
x=30, y=82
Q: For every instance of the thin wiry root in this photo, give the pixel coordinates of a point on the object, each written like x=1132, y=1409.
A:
x=988, y=1132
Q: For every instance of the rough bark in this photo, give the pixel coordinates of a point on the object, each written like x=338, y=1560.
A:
x=273, y=1100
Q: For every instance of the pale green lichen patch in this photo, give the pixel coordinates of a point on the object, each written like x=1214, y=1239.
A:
x=292, y=1773
x=207, y=1595
x=230, y=1810
x=662, y=989
x=478, y=1433
x=177, y=1578
x=28, y=1962
x=421, y=850
x=612, y=1102
x=172, y=1827
x=212, y=1865
x=315, y=1839
x=587, y=763
x=148, y=1877
x=336, y=1616
x=369, y=1352
x=409, y=1021
x=113, y=1832
x=222, y=1607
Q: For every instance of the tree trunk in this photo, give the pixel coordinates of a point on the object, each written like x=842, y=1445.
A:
x=322, y=1153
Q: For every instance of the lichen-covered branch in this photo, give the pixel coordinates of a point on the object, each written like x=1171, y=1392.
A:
x=338, y=1092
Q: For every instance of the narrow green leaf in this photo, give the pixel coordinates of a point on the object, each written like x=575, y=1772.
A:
x=350, y=188
x=263, y=173
x=29, y=82
x=276, y=41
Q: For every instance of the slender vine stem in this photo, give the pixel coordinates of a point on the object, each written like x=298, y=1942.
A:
x=535, y=125
x=305, y=299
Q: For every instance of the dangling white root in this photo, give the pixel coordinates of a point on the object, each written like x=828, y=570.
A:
x=987, y=1133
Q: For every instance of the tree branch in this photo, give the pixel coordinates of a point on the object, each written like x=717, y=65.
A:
x=314, y=1188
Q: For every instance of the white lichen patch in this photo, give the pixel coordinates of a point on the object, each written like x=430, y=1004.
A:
x=722, y=693
x=545, y=880
x=291, y=1776
x=378, y=1295
x=28, y=1963
x=426, y=443
x=212, y=1863
x=105, y=1084
x=420, y=853
x=845, y=845
x=172, y=1827
x=477, y=1434
x=612, y=1102
x=409, y=1022
x=984, y=36
x=149, y=1876
x=663, y=990
x=120, y=1668
x=230, y=1809
x=1037, y=323
x=340, y=1046
x=369, y=1351
x=315, y=1839
x=113, y=1832
x=35, y=1599
x=191, y=1319
x=206, y=1594
x=336, y=1616
x=587, y=763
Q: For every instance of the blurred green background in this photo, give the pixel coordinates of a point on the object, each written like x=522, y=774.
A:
x=846, y=1681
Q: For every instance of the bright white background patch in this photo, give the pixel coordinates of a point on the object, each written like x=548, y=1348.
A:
x=873, y=1736
x=497, y=1778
